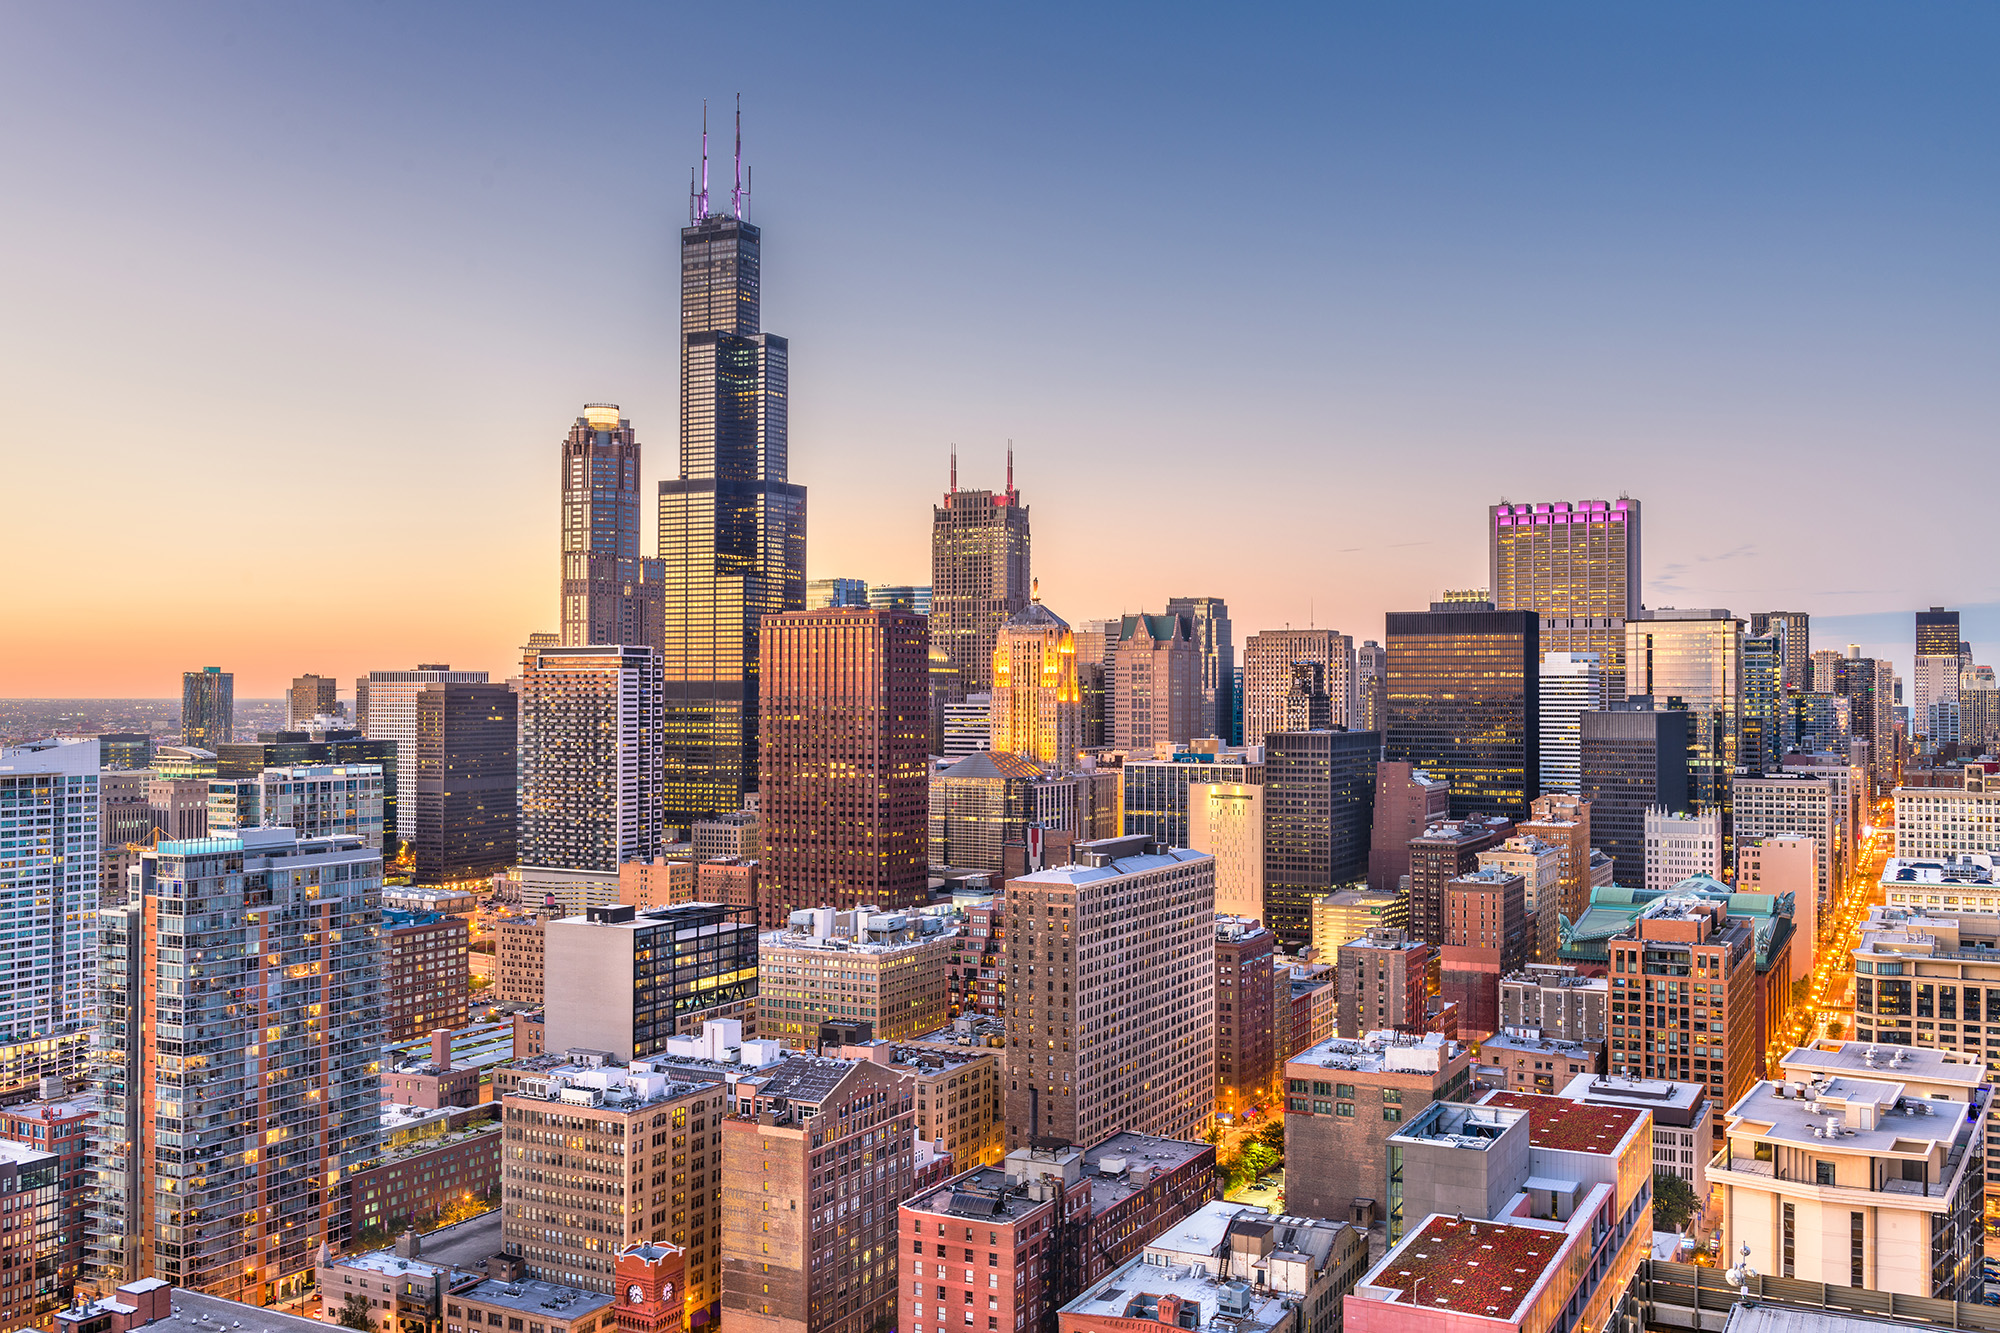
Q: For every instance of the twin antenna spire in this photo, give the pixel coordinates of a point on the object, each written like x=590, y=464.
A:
x=1010, y=469
x=739, y=193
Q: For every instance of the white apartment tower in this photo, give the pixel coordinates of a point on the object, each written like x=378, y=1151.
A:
x=591, y=756
x=48, y=888
x=1572, y=684
x=1679, y=845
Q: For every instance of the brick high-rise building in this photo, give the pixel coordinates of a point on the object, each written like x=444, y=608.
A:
x=1268, y=658
x=517, y=959
x=1006, y=1246
x=816, y=1160
x=1156, y=683
x=1208, y=618
x=601, y=1157
x=61, y=1127
x=1111, y=994
x=1344, y=1097
x=1487, y=937
x=311, y=697
x=286, y=1090
x=1558, y=1001
x=1671, y=966
x=1563, y=821
x=1438, y=855
x=429, y=976
x=1540, y=866
x=1407, y=801
x=1245, y=1012
x=844, y=760
x=1384, y=982
x=979, y=576
x=1464, y=698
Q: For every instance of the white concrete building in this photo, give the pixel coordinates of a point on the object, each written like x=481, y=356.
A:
x=1949, y=821
x=48, y=888
x=1572, y=684
x=1679, y=845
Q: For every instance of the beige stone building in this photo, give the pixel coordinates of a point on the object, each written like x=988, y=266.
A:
x=1226, y=820
x=959, y=1106
x=1350, y=914
x=889, y=970
x=601, y=1157
x=1540, y=866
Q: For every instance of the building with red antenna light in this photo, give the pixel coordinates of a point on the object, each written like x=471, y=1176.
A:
x=979, y=575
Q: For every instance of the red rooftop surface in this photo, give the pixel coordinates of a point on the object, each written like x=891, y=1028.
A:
x=1472, y=1267
x=1562, y=1125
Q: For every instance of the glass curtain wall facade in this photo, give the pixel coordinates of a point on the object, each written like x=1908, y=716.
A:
x=1763, y=692
x=1692, y=661
x=1463, y=699
x=732, y=526
x=208, y=707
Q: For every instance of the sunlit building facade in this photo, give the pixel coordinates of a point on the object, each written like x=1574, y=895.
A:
x=1268, y=658
x=979, y=575
x=610, y=594
x=1576, y=566
x=732, y=526
x=208, y=707
x=1037, y=708
x=1692, y=661
x=1464, y=704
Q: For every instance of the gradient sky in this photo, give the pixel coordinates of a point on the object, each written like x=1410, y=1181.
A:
x=298, y=301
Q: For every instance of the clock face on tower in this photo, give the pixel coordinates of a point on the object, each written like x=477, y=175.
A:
x=667, y=1292
x=634, y=1294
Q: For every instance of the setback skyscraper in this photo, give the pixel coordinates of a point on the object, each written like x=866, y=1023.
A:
x=1037, y=709
x=1574, y=566
x=1268, y=658
x=732, y=526
x=979, y=574
x=1464, y=704
x=310, y=697
x=1209, y=618
x=610, y=594
x=208, y=707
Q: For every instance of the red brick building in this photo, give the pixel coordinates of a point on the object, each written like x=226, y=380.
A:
x=430, y=1084
x=60, y=1126
x=1440, y=854
x=1246, y=1067
x=1407, y=802
x=732, y=882
x=1000, y=1249
x=430, y=977
x=1488, y=936
x=843, y=756
x=430, y=1165
x=1384, y=983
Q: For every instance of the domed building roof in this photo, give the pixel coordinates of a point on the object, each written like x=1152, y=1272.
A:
x=1034, y=615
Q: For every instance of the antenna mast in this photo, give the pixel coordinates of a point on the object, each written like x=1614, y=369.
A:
x=736, y=192
x=704, y=161
x=954, y=469
x=1010, y=469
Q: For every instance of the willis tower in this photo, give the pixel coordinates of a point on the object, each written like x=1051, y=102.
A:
x=732, y=528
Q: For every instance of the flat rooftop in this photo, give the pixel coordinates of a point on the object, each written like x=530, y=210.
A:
x=1479, y=1268
x=1969, y=871
x=1562, y=1125
x=22, y=1154
x=1381, y=1052
x=1107, y=1191
x=1889, y=1062
x=1911, y=1132
x=546, y=1300
x=1654, y=1094
x=984, y=1193
x=1579, y=1050
x=71, y=1107
x=1135, y=1290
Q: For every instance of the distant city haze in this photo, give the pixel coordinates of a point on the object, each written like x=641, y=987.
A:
x=304, y=300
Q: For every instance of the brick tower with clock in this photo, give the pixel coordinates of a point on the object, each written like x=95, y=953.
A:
x=650, y=1291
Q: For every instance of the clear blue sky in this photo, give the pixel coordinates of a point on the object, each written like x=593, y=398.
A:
x=299, y=299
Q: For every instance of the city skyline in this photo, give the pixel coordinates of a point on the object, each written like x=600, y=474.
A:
x=1723, y=276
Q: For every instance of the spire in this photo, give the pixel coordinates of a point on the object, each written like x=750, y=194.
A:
x=1035, y=590
x=954, y=469
x=1010, y=469
x=736, y=192
x=703, y=204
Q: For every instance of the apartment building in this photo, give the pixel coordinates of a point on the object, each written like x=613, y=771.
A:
x=1563, y=821
x=517, y=959
x=1111, y=994
x=958, y=1096
x=429, y=976
x=1949, y=821
x=1383, y=982
x=1343, y=1100
x=60, y=1125
x=599, y=1157
x=1539, y=866
x=1527, y=1061
x=1558, y=1001
x=1007, y=1246
x=884, y=970
x=1684, y=999
x=1856, y=1178
x=816, y=1158
x=1246, y=1068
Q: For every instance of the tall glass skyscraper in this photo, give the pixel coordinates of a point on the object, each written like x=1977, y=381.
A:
x=732, y=527
x=1463, y=702
x=1693, y=660
x=208, y=707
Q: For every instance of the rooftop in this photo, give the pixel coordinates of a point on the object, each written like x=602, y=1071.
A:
x=55, y=1108
x=1972, y=870
x=545, y=1300
x=604, y=1086
x=1652, y=1093
x=1382, y=1052
x=1124, y=865
x=1562, y=1125
x=1862, y=1115
x=22, y=1154
x=1137, y=1289
x=1509, y=1041
x=196, y=1313
x=1896, y=1062
x=1478, y=1268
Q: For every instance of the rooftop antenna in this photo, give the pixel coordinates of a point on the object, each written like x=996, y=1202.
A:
x=1010, y=469
x=954, y=469
x=749, y=176
x=736, y=192
x=704, y=160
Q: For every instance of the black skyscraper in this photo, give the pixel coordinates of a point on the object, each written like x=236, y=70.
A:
x=1632, y=760
x=1319, y=806
x=732, y=528
x=1464, y=704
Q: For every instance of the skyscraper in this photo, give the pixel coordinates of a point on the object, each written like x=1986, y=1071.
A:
x=464, y=776
x=1576, y=567
x=283, y=1095
x=1634, y=759
x=49, y=807
x=610, y=594
x=1464, y=704
x=1572, y=684
x=1935, y=680
x=732, y=526
x=1371, y=683
x=1763, y=692
x=310, y=697
x=1268, y=658
x=1156, y=683
x=1692, y=661
x=1793, y=630
x=208, y=707
x=979, y=574
x=1307, y=706
x=822, y=593
x=1208, y=617
x=385, y=708
x=1319, y=805
x=590, y=756
x=1037, y=709
x=845, y=794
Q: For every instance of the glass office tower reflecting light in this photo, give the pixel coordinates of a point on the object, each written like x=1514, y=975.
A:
x=1693, y=660
x=732, y=528
x=1574, y=565
x=1463, y=703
